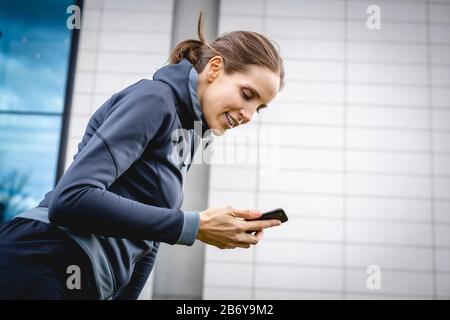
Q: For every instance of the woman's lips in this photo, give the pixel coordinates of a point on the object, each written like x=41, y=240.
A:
x=231, y=123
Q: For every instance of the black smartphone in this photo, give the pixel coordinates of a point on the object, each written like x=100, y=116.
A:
x=274, y=214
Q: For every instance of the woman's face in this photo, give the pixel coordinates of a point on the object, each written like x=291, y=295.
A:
x=229, y=100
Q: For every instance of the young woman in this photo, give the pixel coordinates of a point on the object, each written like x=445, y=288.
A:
x=96, y=235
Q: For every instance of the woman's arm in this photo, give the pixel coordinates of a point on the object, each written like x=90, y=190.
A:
x=81, y=200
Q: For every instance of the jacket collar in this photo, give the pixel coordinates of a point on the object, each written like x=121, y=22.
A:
x=182, y=79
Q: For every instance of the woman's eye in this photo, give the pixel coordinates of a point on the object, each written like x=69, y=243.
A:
x=258, y=109
x=246, y=95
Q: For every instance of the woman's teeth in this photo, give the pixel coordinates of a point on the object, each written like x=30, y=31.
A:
x=231, y=122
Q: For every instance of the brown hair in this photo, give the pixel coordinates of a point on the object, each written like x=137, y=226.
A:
x=238, y=50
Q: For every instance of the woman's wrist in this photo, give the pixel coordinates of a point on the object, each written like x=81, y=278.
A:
x=201, y=225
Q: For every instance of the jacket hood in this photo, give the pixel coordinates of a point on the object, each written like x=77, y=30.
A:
x=177, y=77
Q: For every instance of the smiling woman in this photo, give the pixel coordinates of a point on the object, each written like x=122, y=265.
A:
x=122, y=194
x=239, y=74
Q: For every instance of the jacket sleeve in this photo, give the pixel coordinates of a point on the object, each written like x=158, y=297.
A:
x=81, y=200
x=191, y=226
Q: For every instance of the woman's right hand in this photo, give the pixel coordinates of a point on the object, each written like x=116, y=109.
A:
x=227, y=228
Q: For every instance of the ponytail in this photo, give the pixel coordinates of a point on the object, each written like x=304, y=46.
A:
x=190, y=49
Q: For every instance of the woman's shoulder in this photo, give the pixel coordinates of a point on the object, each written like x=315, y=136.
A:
x=149, y=94
x=149, y=88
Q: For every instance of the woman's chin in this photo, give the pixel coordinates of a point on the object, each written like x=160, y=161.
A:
x=218, y=128
x=218, y=131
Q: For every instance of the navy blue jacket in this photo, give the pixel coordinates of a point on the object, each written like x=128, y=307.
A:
x=125, y=184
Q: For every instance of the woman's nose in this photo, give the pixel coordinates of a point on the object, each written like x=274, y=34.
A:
x=246, y=115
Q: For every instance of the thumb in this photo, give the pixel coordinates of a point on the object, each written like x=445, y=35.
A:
x=246, y=213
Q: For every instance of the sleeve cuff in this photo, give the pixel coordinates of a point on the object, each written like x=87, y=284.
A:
x=191, y=225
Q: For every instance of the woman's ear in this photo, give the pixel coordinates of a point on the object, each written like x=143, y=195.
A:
x=215, y=66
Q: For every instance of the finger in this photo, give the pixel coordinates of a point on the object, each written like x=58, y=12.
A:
x=259, y=225
x=246, y=213
x=242, y=245
x=227, y=246
x=259, y=234
x=248, y=239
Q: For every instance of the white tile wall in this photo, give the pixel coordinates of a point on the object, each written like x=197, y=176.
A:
x=400, y=283
x=390, y=209
x=296, y=277
x=265, y=294
x=391, y=11
x=387, y=117
x=442, y=210
x=364, y=155
x=120, y=43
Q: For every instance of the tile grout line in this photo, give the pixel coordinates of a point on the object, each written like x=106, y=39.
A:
x=344, y=153
x=431, y=155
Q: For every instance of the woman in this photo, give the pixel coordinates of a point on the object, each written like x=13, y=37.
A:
x=96, y=235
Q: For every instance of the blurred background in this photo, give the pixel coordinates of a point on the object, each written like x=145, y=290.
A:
x=362, y=127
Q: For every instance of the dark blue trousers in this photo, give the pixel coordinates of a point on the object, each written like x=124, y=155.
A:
x=35, y=260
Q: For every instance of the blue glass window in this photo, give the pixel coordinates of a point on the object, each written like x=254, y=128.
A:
x=34, y=60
